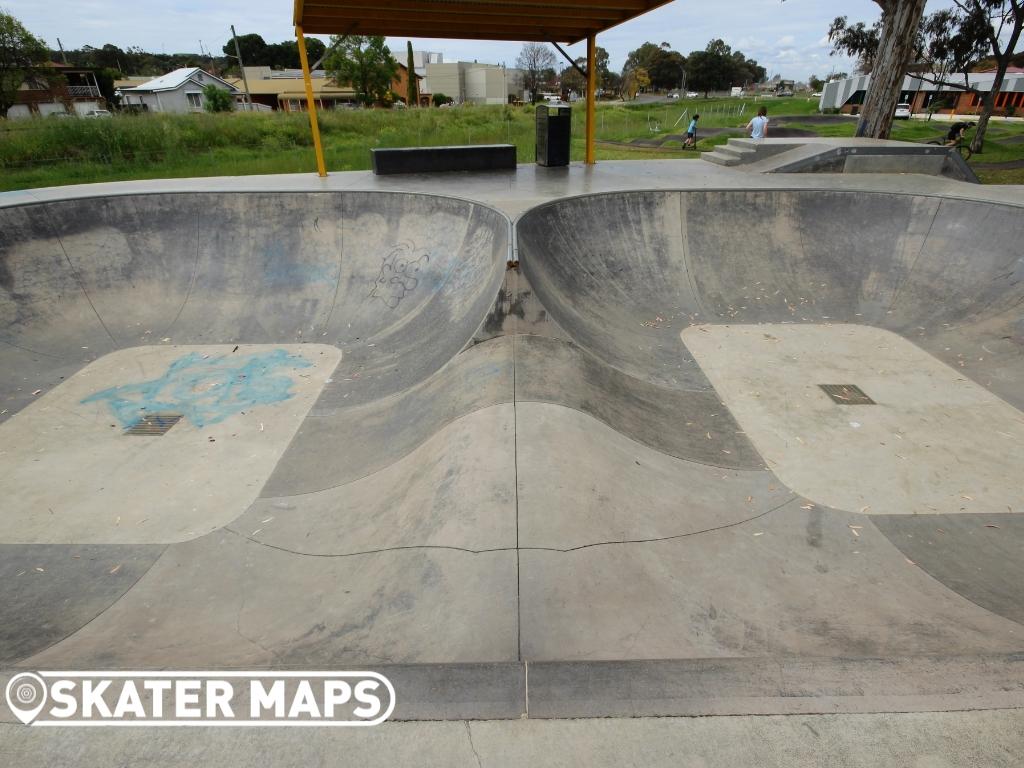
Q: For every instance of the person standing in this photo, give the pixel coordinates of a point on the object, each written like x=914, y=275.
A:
x=758, y=125
x=691, y=133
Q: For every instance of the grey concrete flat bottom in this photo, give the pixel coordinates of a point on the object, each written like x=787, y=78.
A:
x=921, y=740
x=604, y=483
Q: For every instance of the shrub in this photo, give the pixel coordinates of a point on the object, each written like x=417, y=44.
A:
x=217, y=100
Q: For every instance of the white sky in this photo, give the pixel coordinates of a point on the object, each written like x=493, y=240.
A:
x=787, y=38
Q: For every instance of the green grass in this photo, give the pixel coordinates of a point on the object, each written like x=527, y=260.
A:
x=49, y=152
x=1005, y=176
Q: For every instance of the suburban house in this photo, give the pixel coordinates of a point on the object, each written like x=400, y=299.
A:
x=847, y=95
x=285, y=90
x=61, y=90
x=179, y=91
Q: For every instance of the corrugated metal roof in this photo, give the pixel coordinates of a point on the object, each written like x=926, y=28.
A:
x=177, y=78
x=567, y=21
x=292, y=86
x=836, y=93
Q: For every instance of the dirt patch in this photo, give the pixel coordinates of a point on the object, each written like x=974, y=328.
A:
x=816, y=119
x=659, y=141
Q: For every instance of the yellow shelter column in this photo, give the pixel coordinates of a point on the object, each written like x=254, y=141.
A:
x=590, y=156
x=321, y=167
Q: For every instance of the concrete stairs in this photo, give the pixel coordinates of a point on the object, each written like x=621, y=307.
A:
x=745, y=151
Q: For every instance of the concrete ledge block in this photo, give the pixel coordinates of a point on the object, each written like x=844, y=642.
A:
x=483, y=157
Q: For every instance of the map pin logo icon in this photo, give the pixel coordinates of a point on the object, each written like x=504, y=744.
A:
x=26, y=696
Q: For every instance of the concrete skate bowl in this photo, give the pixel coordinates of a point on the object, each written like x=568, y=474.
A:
x=624, y=273
x=723, y=312
x=272, y=323
x=496, y=473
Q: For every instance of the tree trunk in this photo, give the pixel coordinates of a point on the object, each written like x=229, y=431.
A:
x=987, y=108
x=989, y=104
x=900, y=19
x=412, y=98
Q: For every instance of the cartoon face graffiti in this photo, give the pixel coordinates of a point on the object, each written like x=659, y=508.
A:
x=399, y=274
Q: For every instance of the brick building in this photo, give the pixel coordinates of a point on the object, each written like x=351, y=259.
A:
x=847, y=95
x=285, y=90
x=59, y=89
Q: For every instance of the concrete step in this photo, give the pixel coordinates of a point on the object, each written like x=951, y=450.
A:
x=719, y=158
x=745, y=143
x=738, y=151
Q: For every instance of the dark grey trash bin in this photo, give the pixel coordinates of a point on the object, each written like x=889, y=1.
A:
x=554, y=133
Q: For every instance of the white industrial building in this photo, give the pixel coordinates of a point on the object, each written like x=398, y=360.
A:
x=420, y=60
x=475, y=83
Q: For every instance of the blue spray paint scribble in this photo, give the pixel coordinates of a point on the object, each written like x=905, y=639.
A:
x=206, y=390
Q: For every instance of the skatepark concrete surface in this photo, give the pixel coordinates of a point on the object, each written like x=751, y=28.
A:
x=992, y=739
x=547, y=444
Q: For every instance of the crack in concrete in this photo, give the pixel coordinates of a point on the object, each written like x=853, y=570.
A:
x=467, y=550
x=469, y=734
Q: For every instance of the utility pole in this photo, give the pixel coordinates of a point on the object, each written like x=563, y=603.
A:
x=241, y=66
x=63, y=55
x=327, y=52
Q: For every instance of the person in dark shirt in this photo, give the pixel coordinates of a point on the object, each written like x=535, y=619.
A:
x=956, y=133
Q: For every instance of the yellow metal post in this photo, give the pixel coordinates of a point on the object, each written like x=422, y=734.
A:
x=591, y=97
x=321, y=168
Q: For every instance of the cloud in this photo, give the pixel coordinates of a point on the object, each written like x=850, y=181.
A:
x=779, y=35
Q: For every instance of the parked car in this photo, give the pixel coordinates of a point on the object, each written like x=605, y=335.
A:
x=97, y=113
x=817, y=95
x=692, y=94
x=902, y=112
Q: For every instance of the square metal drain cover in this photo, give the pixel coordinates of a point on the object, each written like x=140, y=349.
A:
x=847, y=394
x=154, y=424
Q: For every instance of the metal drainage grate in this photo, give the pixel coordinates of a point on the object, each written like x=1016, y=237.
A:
x=154, y=424
x=847, y=394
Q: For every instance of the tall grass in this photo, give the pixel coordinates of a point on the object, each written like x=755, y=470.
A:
x=145, y=138
x=50, y=151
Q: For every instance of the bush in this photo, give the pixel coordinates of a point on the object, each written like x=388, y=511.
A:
x=440, y=98
x=217, y=100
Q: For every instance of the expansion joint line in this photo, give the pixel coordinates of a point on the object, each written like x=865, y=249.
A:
x=515, y=480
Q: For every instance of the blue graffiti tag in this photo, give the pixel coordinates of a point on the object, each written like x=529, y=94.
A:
x=206, y=390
